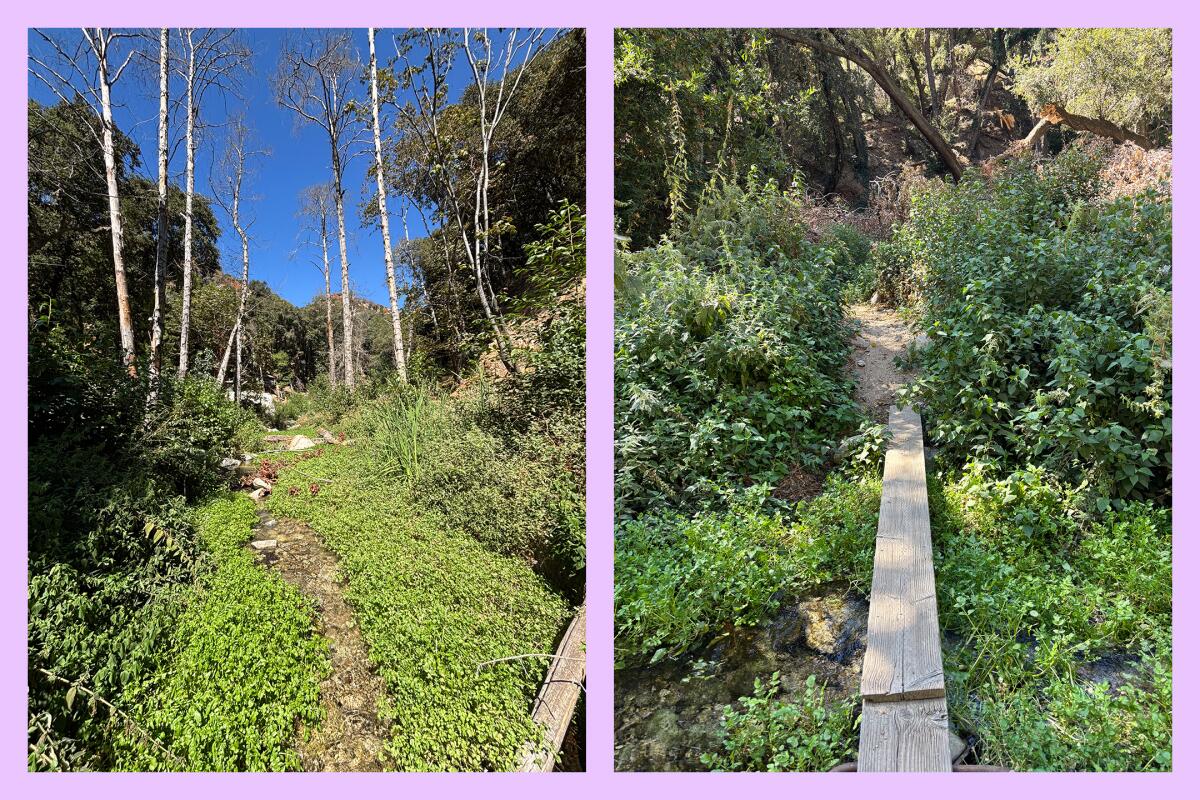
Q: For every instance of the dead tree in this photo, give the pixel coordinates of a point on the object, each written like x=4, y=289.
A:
x=496, y=83
x=160, y=256
x=228, y=191
x=381, y=198
x=313, y=80
x=88, y=70
x=210, y=58
x=316, y=208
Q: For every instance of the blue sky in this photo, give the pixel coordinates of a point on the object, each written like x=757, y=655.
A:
x=299, y=157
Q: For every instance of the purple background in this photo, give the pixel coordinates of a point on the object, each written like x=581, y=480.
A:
x=599, y=17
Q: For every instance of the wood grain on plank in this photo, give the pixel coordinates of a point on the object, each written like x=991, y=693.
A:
x=555, y=703
x=904, y=736
x=904, y=650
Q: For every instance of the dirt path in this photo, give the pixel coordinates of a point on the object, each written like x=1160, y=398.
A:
x=881, y=338
x=351, y=738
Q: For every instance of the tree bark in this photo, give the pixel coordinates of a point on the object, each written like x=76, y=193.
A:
x=1057, y=115
x=916, y=73
x=930, y=78
x=185, y=303
x=846, y=49
x=998, y=56
x=328, y=304
x=160, y=263
x=124, y=318
x=947, y=69
x=389, y=263
x=835, y=132
x=241, y=319
x=221, y=370
x=347, y=313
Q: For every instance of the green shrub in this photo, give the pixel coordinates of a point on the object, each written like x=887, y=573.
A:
x=678, y=579
x=851, y=250
x=730, y=349
x=113, y=550
x=294, y=406
x=1044, y=310
x=769, y=735
x=1030, y=588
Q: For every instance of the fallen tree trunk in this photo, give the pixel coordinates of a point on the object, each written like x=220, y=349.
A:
x=1053, y=114
x=1056, y=115
x=844, y=48
x=555, y=703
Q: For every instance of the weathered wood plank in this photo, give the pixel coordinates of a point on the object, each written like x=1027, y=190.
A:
x=555, y=703
x=904, y=653
x=904, y=736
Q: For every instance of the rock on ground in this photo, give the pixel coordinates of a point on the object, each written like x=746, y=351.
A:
x=301, y=442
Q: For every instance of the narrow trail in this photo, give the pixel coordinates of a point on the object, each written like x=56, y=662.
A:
x=882, y=337
x=351, y=737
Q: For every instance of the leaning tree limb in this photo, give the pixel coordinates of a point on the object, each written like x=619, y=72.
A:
x=1054, y=114
x=828, y=40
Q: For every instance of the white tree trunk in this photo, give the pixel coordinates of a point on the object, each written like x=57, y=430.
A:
x=160, y=265
x=221, y=370
x=124, y=319
x=241, y=320
x=328, y=305
x=389, y=263
x=347, y=314
x=189, y=189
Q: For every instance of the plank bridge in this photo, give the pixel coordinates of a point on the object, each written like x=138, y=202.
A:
x=904, y=719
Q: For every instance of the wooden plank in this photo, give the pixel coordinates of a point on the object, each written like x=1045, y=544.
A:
x=904, y=652
x=904, y=736
x=555, y=703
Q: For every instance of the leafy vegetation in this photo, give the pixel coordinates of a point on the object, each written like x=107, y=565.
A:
x=243, y=666
x=158, y=638
x=1047, y=384
x=1033, y=591
x=1046, y=313
x=1118, y=74
x=730, y=345
x=1041, y=274
x=191, y=657
x=769, y=735
x=679, y=578
x=435, y=605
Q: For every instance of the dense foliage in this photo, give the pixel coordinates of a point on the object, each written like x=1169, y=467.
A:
x=133, y=597
x=730, y=346
x=157, y=640
x=434, y=605
x=766, y=734
x=241, y=666
x=1059, y=623
x=1050, y=318
x=680, y=578
x=1118, y=74
x=1044, y=286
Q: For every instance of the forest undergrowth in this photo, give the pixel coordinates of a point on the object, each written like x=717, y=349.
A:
x=1045, y=388
x=157, y=642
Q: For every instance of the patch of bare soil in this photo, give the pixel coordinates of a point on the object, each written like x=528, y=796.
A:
x=882, y=337
x=352, y=737
x=799, y=485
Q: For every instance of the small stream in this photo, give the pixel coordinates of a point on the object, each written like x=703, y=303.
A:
x=669, y=714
